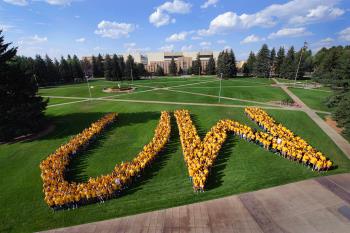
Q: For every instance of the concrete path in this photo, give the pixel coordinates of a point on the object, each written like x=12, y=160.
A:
x=316, y=205
x=337, y=138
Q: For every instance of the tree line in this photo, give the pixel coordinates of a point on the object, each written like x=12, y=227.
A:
x=267, y=63
x=332, y=67
x=113, y=67
x=22, y=110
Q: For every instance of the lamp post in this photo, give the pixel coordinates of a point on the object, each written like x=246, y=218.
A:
x=301, y=55
x=87, y=82
x=220, y=88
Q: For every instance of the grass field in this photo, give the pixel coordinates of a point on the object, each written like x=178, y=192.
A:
x=241, y=166
x=315, y=99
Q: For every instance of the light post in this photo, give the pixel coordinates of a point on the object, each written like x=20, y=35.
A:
x=301, y=55
x=220, y=88
x=87, y=82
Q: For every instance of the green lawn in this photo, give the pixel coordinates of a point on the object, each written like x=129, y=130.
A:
x=315, y=99
x=241, y=166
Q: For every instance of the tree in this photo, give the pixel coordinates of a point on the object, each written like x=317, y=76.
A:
x=197, y=66
x=159, y=71
x=288, y=67
x=172, y=67
x=40, y=71
x=52, y=72
x=141, y=71
x=122, y=67
x=279, y=61
x=250, y=67
x=273, y=60
x=180, y=71
x=245, y=69
x=65, y=72
x=77, y=70
x=262, y=67
x=87, y=68
x=232, y=64
x=97, y=66
x=116, y=74
x=211, y=67
x=108, y=68
x=22, y=111
x=130, y=67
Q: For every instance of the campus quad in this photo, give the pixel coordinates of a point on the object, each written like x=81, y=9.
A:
x=241, y=166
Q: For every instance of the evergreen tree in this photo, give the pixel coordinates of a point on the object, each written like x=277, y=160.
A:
x=250, y=67
x=245, y=69
x=141, y=71
x=172, y=67
x=159, y=71
x=116, y=74
x=122, y=67
x=211, y=67
x=180, y=71
x=273, y=61
x=99, y=67
x=77, y=70
x=232, y=68
x=130, y=67
x=87, y=68
x=40, y=71
x=288, y=67
x=262, y=68
x=51, y=71
x=189, y=70
x=279, y=61
x=108, y=68
x=65, y=71
x=197, y=66
x=22, y=111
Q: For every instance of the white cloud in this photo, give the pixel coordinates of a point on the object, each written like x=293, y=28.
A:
x=98, y=48
x=167, y=48
x=80, y=40
x=205, y=44
x=177, y=37
x=114, y=30
x=319, y=13
x=187, y=48
x=59, y=2
x=51, y=2
x=196, y=38
x=132, y=48
x=17, y=2
x=326, y=40
x=290, y=12
x=221, y=42
x=5, y=27
x=289, y=32
x=345, y=34
x=251, y=39
x=32, y=40
x=161, y=16
x=324, y=43
x=209, y=3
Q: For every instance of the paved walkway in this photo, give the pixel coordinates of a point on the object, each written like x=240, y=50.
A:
x=315, y=205
x=337, y=138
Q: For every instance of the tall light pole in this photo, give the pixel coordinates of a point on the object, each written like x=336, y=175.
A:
x=301, y=55
x=220, y=88
x=87, y=82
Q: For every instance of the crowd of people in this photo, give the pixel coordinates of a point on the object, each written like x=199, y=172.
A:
x=60, y=193
x=200, y=155
x=283, y=141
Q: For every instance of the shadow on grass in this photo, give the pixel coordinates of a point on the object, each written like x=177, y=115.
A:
x=216, y=175
x=76, y=169
x=72, y=124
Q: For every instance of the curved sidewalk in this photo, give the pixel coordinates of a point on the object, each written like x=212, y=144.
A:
x=315, y=205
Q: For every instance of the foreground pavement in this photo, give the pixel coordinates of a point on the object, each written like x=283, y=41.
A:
x=315, y=205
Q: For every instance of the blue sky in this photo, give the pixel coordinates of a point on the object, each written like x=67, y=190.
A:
x=85, y=27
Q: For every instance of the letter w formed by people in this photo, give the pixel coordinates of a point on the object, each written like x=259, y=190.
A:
x=200, y=155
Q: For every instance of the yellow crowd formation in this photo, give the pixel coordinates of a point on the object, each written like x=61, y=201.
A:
x=284, y=141
x=200, y=155
x=60, y=193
